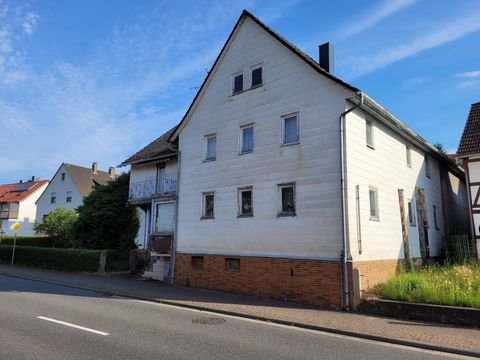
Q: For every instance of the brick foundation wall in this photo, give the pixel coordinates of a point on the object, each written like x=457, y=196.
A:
x=377, y=271
x=314, y=282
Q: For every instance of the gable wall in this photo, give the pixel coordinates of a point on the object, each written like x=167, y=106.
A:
x=289, y=86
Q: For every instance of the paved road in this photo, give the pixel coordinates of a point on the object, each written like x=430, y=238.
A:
x=44, y=321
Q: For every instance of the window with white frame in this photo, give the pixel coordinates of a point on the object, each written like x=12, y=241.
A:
x=287, y=200
x=245, y=201
x=369, y=133
x=290, y=129
x=53, y=198
x=246, y=138
x=435, y=218
x=208, y=205
x=411, y=213
x=257, y=76
x=237, y=83
x=69, y=197
x=408, y=151
x=427, y=167
x=210, y=147
x=373, y=199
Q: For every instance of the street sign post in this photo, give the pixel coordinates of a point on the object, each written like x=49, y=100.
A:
x=15, y=228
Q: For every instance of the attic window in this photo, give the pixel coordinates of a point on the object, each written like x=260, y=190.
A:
x=257, y=78
x=237, y=83
x=63, y=176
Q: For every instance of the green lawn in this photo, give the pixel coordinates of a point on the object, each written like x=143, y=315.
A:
x=457, y=285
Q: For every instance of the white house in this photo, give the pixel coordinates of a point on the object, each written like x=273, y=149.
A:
x=70, y=184
x=469, y=154
x=17, y=204
x=296, y=185
x=153, y=189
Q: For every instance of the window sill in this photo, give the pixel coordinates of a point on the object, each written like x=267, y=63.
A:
x=207, y=218
x=244, y=216
x=377, y=219
x=197, y=269
x=209, y=160
x=290, y=144
x=371, y=146
x=287, y=214
x=233, y=270
x=256, y=86
x=245, y=152
x=246, y=90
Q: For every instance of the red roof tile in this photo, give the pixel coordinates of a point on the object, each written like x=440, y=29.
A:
x=19, y=191
x=470, y=141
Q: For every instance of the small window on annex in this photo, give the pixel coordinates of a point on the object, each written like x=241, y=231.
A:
x=290, y=129
x=246, y=139
x=409, y=156
x=287, y=200
x=369, y=133
x=257, y=77
x=208, y=204
x=197, y=262
x=373, y=199
x=427, y=167
x=411, y=213
x=237, y=85
x=210, y=147
x=245, y=201
x=232, y=264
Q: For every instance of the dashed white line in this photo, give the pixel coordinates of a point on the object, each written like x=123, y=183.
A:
x=73, y=326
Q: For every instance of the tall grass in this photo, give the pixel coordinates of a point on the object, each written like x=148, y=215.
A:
x=456, y=285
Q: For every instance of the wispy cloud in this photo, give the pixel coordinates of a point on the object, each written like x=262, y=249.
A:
x=469, y=79
x=382, y=11
x=410, y=83
x=469, y=74
x=440, y=35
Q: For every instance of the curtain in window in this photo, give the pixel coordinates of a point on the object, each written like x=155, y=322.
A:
x=291, y=134
x=247, y=144
x=211, y=148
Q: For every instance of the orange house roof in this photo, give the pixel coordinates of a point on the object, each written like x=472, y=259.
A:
x=19, y=191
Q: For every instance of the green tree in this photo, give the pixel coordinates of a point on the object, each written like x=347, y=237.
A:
x=105, y=219
x=58, y=225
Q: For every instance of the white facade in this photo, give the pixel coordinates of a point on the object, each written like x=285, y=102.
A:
x=27, y=212
x=63, y=189
x=313, y=165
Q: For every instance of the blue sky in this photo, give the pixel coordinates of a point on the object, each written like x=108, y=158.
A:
x=84, y=81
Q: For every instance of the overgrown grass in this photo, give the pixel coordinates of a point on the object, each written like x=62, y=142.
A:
x=456, y=285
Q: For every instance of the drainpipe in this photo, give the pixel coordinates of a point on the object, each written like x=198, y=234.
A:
x=174, y=247
x=346, y=300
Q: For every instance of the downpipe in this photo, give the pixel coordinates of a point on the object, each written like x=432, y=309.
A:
x=344, y=255
x=175, y=234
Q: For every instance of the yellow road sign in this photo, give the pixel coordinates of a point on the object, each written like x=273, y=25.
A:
x=16, y=227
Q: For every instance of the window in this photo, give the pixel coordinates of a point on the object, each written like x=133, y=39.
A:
x=53, y=198
x=435, y=217
x=232, y=264
x=208, y=205
x=369, y=133
x=427, y=167
x=4, y=211
x=373, y=197
x=237, y=83
x=245, y=203
x=411, y=213
x=287, y=200
x=246, y=139
x=69, y=196
x=63, y=176
x=290, y=129
x=210, y=147
x=164, y=217
x=257, y=77
x=197, y=262
x=409, y=156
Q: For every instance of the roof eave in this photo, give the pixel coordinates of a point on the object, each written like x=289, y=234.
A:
x=148, y=159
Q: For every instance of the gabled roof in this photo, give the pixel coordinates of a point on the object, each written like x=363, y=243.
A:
x=245, y=14
x=85, y=179
x=157, y=149
x=19, y=191
x=470, y=141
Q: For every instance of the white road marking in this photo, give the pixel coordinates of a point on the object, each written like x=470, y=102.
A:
x=73, y=326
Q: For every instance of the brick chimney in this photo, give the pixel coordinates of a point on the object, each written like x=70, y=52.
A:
x=111, y=172
x=94, y=168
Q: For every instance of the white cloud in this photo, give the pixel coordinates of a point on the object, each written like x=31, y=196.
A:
x=384, y=10
x=440, y=35
x=469, y=74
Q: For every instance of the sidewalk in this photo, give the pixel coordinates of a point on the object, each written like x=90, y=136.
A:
x=452, y=339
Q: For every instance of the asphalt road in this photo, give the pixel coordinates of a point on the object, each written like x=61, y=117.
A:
x=43, y=321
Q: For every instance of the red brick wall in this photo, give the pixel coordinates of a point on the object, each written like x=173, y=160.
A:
x=377, y=271
x=315, y=282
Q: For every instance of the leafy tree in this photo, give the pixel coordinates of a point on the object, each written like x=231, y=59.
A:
x=105, y=219
x=58, y=225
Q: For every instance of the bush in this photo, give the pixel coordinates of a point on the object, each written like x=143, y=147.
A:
x=52, y=258
x=58, y=225
x=35, y=241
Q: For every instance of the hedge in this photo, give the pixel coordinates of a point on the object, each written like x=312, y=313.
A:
x=52, y=258
x=40, y=241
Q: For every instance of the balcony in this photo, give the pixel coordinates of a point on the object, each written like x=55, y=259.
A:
x=146, y=190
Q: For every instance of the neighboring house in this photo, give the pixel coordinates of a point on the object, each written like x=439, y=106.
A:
x=68, y=187
x=17, y=204
x=294, y=184
x=469, y=155
x=153, y=189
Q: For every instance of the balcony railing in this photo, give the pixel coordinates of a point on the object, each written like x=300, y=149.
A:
x=151, y=188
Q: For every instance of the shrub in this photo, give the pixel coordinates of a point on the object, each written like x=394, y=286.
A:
x=36, y=241
x=58, y=225
x=52, y=258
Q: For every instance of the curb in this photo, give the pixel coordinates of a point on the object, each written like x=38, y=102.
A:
x=376, y=338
